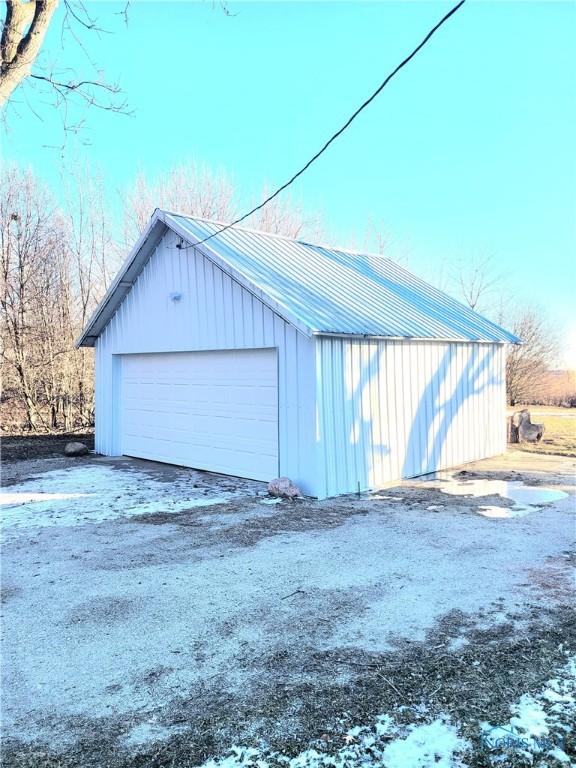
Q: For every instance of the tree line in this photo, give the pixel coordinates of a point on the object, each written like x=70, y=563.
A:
x=58, y=258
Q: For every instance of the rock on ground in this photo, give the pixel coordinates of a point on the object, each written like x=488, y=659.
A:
x=76, y=449
x=284, y=488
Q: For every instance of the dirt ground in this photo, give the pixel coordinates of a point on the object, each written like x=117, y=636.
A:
x=157, y=616
x=21, y=447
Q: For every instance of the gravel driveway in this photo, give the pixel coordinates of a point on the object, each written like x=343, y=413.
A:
x=157, y=616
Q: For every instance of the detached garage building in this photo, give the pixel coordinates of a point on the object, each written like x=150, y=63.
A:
x=254, y=355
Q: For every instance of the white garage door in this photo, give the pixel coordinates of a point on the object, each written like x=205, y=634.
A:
x=208, y=410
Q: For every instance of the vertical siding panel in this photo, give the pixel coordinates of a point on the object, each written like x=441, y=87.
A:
x=268, y=328
x=460, y=420
x=216, y=280
x=292, y=424
x=378, y=472
x=451, y=431
x=384, y=410
x=392, y=409
x=258, y=322
x=336, y=401
x=329, y=443
x=413, y=435
x=360, y=413
x=423, y=402
x=345, y=479
x=348, y=406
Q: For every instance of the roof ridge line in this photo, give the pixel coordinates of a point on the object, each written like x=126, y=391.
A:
x=252, y=230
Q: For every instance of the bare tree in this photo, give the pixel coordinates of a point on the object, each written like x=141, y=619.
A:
x=195, y=190
x=283, y=217
x=188, y=188
x=378, y=239
x=30, y=250
x=94, y=253
x=527, y=365
x=54, y=269
x=94, y=258
x=476, y=279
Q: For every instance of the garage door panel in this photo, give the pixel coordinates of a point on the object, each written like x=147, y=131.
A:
x=209, y=410
x=241, y=423
x=154, y=395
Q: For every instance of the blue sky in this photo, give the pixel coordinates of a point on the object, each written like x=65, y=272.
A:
x=470, y=150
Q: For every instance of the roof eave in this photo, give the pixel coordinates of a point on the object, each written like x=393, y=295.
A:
x=123, y=281
x=384, y=337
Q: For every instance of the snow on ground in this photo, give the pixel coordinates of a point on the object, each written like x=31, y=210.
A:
x=539, y=724
x=384, y=743
x=536, y=730
x=98, y=492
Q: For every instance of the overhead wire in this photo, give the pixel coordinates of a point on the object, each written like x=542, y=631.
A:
x=339, y=132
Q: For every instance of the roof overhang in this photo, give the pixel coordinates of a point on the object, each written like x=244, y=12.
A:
x=124, y=280
x=446, y=340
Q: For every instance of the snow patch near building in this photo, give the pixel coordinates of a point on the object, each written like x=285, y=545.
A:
x=94, y=493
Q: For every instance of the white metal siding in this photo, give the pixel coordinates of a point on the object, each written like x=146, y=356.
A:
x=395, y=409
x=214, y=313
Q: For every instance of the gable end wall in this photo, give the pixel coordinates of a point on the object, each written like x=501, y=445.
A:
x=214, y=313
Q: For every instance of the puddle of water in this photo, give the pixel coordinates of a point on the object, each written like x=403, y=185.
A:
x=525, y=497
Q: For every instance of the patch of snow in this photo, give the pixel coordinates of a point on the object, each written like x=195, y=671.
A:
x=457, y=643
x=96, y=493
x=11, y=499
x=539, y=723
x=431, y=745
x=147, y=733
x=529, y=717
x=271, y=501
x=434, y=744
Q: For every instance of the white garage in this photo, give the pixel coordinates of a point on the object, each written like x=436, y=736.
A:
x=253, y=355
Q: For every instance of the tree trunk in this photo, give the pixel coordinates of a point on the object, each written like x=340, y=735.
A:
x=25, y=27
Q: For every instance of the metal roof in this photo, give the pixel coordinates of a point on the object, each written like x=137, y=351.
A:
x=326, y=290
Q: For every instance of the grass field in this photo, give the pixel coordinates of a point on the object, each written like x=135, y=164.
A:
x=560, y=433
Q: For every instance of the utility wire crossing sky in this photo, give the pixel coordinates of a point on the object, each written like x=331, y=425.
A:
x=339, y=132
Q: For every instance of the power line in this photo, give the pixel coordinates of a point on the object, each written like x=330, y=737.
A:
x=341, y=130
